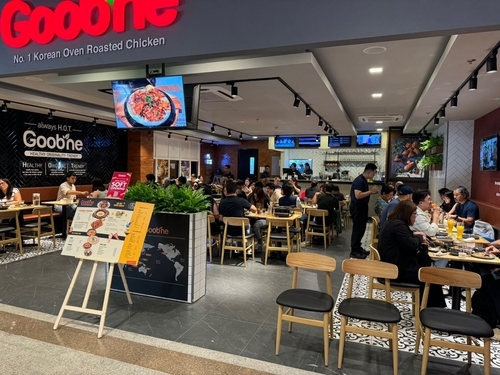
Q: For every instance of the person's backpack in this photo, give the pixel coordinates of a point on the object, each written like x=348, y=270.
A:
x=484, y=229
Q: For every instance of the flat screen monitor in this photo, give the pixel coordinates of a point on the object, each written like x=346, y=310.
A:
x=309, y=141
x=284, y=142
x=369, y=140
x=342, y=141
x=488, y=154
x=150, y=103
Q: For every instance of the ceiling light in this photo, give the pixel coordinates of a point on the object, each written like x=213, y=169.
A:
x=377, y=95
x=94, y=122
x=241, y=137
x=336, y=133
x=442, y=112
x=169, y=135
x=308, y=111
x=254, y=137
x=454, y=101
x=186, y=139
x=320, y=122
x=491, y=62
x=473, y=82
x=330, y=131
x=436, y=120
x=49, y=115
x=326, y=127
x=296, y=101
x=234, y=91
x=4, y=106
x=424, y=132
x=212, y=129
x=317, y=138
x=228, y=133
x=375, y=50
x=201, y=141
x=212, y=144
x=379, y=122
x=379, y=129
x=376, y=70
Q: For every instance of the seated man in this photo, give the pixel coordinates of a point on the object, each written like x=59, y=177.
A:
x=328, y=202
x=404, y=194
x=422, y=198
x=67, y=190
x=288, y=199
x=310, y=191
x=465, y=210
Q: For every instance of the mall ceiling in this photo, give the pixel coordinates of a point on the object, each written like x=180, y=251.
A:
x=418, y=76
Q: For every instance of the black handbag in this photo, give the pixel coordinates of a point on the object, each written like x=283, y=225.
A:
x=423, y=258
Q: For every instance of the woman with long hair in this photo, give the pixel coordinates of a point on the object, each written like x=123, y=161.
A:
x=448, y=201
x=98, y=189
x=259, y=199
x=9, y=195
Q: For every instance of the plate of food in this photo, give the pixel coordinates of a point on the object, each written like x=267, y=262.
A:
x=149, y=106
x=484, y=256
x=435, y=249
x=103, y=204
x=100, y=214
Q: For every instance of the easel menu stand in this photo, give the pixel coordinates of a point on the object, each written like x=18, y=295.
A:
x=83, y=308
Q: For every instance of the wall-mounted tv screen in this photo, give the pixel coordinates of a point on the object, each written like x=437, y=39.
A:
x=284, y=142
x=309, y=141
x=344, y=141
x=488, y=153
x=152, y=103
x=369, y=140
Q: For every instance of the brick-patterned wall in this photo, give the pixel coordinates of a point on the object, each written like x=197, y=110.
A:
x=140, y=155
x=222, y=155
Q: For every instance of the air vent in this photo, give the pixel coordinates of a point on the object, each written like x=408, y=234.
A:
x=217, y=94
x=384, y=118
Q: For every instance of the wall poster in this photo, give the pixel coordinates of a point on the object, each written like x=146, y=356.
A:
x=405, y=158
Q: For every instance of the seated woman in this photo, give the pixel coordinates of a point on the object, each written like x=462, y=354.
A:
x=98, y=189
x=261, y=201
x=448, y=201
x=9, y=195
x=398, y=245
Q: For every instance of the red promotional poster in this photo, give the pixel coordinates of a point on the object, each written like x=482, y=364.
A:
x=118, y=185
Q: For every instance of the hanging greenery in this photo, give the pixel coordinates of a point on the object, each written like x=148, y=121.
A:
x=432, y=142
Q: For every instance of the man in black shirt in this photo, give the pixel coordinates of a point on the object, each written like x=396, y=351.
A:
x=233, y=206
x=360, y=197
x=310, y=191
x=328, y=202
x=227, y=172
x=266, y=173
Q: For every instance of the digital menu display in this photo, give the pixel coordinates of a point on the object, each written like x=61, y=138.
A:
x=344, y=141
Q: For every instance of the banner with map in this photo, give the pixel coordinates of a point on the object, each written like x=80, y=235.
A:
x=163, y=264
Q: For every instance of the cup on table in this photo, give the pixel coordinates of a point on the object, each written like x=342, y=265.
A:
x=451, y=224
x=21, y=203
x=460, y=230
x=36, y=199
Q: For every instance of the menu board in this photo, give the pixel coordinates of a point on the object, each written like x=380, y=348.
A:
x=101, y=227
x=118, y=185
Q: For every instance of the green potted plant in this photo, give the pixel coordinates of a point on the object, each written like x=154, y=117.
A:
x=173, y=260
x=433, y=162
x=433, y=145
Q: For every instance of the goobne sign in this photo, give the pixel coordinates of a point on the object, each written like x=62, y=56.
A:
x=21, y=23
x=52, y=141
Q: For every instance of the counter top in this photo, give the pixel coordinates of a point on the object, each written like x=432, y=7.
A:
x=335, y=182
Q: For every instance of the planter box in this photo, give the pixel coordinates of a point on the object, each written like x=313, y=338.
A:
x=173, y=261
x=436, y=167
x=435, y=150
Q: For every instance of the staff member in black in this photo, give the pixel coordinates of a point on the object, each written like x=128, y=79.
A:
x=360, y=197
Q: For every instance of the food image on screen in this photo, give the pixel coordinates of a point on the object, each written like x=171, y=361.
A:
x=150, y=104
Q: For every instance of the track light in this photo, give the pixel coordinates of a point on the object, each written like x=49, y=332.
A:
x=212, y=129
x=49, y=115
x=330, y=131
x=94, y=122
x=442, y=112
x=308, y=111
x=169, y=135
x=201, y=141
x=234, y=91
x=212, y=144
x=296, y=101
x=326, y=127
x=186, y=139
x=4, y=106
x=320, y=122
x=491, y=62
x=228, y=132
x=241, y=136
x=473, y=82
x=436, y=120
x=424, y=132
x=335, y=134
x=454, y=101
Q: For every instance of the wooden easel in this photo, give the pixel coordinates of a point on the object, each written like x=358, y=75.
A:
x=83, y=308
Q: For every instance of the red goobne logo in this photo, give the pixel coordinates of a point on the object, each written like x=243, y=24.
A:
x=20, y=23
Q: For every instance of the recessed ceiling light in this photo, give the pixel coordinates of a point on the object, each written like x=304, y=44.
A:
x=376, y=70
x=379, y=122
x=374, y=50
x=377, y=95
x=33, y=79
x=379, y=129
x=254, y=137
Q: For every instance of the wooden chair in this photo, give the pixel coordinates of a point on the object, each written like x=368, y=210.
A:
x=296, y=230
x=40, y=228
x=453, y=322
x=413, y=289
x=315, y=229
x=12, y=231
x=307, y=299
x=375, y=231
x=278, y=232
x=369, y=309
x=247, y=240
x=345, y=213
x=212, y=237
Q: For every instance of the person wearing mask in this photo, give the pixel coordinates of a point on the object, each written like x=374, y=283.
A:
x=386, y=195
x=227, y=172
x=98, y=189
x=465, y=210
x=266, y=173
x=399, y=245
x=308, y=172
x=310, y=191
x=9, y=195
x=234, y=206
x=404, y=194
x=360, y=197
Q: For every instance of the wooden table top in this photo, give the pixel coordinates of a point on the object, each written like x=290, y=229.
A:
x=22, y=207
x=471, y=259
x=60, y=203
x=268, y=215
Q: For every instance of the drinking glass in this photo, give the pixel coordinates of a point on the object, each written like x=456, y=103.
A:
x=258, y=207
x=460, y=230
x=451, y=224
x=36, y=199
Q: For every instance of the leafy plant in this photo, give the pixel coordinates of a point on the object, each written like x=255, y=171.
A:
x=432, y=142
x=170, y=199
x=428, y=160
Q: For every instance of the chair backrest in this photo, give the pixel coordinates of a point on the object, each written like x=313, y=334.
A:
x=317, y=212
x=236, y=221
x=8, y=214
x=42, y=210
x=375, y=228
x=370, y=268
x=210, y=220
x=310, y=261
x=374, y=254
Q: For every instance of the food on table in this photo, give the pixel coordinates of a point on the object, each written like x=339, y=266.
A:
x=484, y=255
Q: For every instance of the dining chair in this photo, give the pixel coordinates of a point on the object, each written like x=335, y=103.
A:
x=317, y=227
x=297, y=230
x=39, y=228
x=369, y=309
x=453, y=322
x=247, y=240
x=213, y=239
x=375, y=231
x=396, y=286
x=278, y=232
x=310, y=300
x=345, y=213
x=10, y=232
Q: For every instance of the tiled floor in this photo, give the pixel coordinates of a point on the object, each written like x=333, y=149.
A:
x=236, y=316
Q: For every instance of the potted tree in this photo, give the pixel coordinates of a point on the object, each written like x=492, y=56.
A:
x=173, y=260
x=433, y=162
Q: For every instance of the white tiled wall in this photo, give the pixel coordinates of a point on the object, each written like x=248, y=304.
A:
x=199, y=255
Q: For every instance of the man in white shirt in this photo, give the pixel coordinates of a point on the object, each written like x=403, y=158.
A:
x=422, y=198
x=67, y=190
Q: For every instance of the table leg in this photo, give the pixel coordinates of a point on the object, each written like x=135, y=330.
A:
x=456, y=292
x=64, y=215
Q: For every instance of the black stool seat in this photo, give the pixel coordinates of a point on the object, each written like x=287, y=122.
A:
x=6, y=229
x=369, y=309
x=240, y=237
x=400, y=284
x=455, y=322
x=295, y=230
x=34, y=225
x=281, y=236
x=315, y=225
x=306, y=299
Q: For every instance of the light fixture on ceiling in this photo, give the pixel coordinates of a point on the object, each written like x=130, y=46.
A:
x=326, y=127
x=473, y=82
x=201, y=141
x=212, y=129
x=212, y=144
x=94, y=122
x=424, y=132
x=335, y=133
x=234, y=91
x=4, y=106
x=229, y=133
x=317, y=138
x=241, y=136
x=376, y=95
x=169, y=135
x=379, y=122
x=49, y=115
x=330, y=131
x=308, y=111
x=454, y=101
x=255, y=137
x=376, y=70
x=491, y=62
x=186, y=139
x=296, y=101
x=436, y=120
x=442, y=111
x=379, y=129
x=320, y=122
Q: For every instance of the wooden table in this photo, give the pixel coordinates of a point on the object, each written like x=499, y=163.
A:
x=64, y=213
x=19, y=208
x=268, y=215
